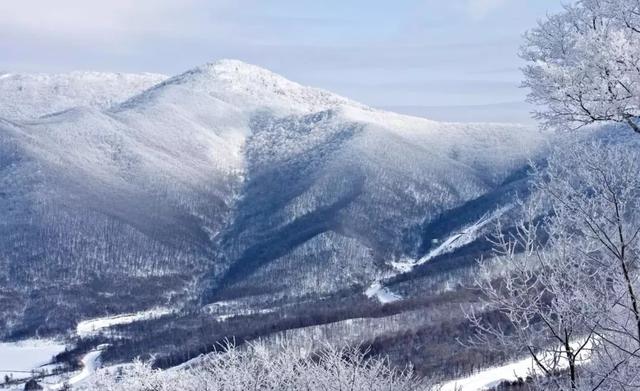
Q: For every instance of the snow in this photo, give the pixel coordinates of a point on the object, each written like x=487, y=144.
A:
x=184, y=141
x=466, y=236
x=225, y=310
x=26, y=96
x=491, y=377
x=453, y=242
x=383, y=294
x=225, y=317
x=92, y=326
x=180, y=140
x=247, y=87
x=17, y=359
x=90, y=363
x=85, y=328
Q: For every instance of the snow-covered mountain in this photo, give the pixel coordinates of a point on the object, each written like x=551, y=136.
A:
x=27, y=96
x=119, y=192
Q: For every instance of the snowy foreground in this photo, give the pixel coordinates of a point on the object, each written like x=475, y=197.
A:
x=289, y=368
x=254, y=367
x=19, y=359
x=492, y=377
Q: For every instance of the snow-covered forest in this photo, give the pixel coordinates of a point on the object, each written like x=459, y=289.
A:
x=567, y=286
x=229, y=229
x=258, y=367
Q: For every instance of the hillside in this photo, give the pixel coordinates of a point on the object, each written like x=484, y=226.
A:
x=27, y=96
x=231, y=190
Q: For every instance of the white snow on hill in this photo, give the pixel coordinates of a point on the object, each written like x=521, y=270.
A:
x=457, y=240
x=492, y=377
x=93, y=326
x=244, y=86
x=26, y=96
x=384, y=295
x=174, y=158
x=232, y=146
x=141, y=178
x=489, y=378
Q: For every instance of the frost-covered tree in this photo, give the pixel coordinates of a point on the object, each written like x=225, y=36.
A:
x=535, y=295
x=584, y=64
x=569, y=289
x=259, y=368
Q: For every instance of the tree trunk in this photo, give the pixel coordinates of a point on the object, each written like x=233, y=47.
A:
x=623, y=259
x=633, y=125
x=632, y=295
x=572, y=361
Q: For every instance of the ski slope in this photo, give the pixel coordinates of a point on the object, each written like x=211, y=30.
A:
x=455, y=241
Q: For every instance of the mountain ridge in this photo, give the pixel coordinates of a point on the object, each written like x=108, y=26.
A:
x=30, y=95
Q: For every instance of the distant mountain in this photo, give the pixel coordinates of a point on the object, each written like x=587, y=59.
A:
x=225, y=183
x=506, y=112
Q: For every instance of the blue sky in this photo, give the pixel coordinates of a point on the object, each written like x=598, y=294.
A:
x=402, y=54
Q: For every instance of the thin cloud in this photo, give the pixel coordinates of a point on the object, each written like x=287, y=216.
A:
x=479, y=9
x=348, y=47
x=113, y=21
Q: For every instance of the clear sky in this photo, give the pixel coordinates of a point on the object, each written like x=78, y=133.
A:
x=402, y=54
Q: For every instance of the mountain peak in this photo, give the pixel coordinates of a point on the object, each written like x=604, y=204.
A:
x=240, y=74
x=236, y=67
x=248, y=86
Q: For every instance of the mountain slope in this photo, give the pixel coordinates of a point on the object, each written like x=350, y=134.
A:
x=370, y=178
x=224, y=182
x=26, y=96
